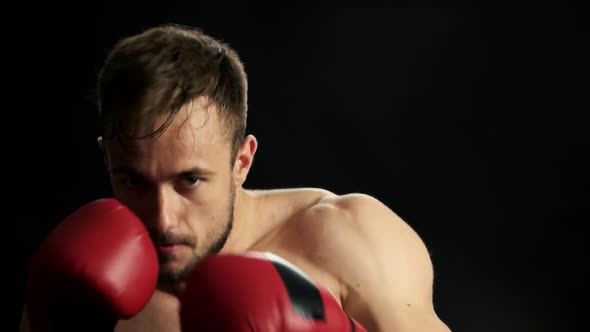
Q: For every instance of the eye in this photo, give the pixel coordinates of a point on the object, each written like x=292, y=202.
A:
x=130, y=181
x=190, y=180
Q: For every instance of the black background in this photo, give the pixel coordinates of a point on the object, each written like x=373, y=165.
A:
x=471, y=124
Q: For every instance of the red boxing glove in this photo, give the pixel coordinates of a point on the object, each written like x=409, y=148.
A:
x=258, y=292
x=97, y=266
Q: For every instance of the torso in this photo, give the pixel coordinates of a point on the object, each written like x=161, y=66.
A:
x=282, y=235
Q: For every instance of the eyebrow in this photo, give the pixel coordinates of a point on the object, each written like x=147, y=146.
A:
x=198, y=171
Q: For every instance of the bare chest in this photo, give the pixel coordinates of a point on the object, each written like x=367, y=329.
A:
x=301, y=251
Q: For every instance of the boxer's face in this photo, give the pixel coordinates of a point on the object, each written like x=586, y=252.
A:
x=181, y=185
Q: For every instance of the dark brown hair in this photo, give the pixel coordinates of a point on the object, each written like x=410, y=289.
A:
x=153, y=73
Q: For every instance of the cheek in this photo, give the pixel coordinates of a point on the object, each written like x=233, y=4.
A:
x=211, y=203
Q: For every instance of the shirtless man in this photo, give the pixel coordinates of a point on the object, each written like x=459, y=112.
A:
x=173, y=105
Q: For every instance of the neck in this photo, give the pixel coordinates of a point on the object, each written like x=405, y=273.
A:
x=246, y=216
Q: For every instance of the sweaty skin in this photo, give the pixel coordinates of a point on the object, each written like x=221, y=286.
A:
x=371, y=261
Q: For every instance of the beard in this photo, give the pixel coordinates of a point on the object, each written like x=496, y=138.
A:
x=170, y=278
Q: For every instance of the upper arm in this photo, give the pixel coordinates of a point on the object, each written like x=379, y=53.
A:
x=383, y=265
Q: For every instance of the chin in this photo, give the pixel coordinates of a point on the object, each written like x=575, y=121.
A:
x=175, y=266
x=171, y=272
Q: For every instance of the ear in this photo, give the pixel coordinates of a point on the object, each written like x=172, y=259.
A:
x=100, y=142
x=244, y=159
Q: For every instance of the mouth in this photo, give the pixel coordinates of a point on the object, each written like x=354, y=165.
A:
x=168, y=248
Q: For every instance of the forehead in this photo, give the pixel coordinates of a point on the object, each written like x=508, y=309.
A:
x=196, y=132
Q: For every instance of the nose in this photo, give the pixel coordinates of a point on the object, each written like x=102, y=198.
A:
x=162, y=214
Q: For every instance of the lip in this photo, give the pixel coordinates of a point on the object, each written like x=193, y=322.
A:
x=168, y=249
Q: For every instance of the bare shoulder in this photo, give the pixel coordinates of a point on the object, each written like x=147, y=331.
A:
x=383, y=265
x=352, y=217
x=350, y=233
x=352, y=209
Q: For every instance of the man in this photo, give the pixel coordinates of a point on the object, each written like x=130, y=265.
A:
x=173, y=106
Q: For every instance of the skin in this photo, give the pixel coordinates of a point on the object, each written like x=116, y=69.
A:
x=373, y=263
